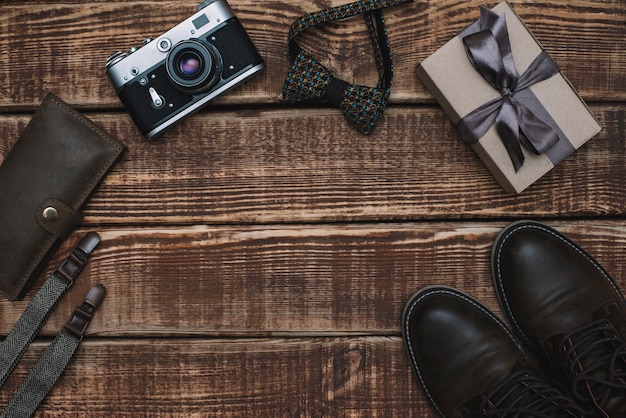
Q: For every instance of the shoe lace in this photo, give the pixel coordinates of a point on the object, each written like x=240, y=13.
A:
x=522, y=395
x=596, y=356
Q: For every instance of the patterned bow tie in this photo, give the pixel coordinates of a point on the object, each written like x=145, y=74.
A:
x=308, y=79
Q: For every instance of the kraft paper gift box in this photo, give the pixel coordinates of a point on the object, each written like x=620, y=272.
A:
x=523, y=117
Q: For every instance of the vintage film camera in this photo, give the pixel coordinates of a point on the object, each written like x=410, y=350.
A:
x=185, y=68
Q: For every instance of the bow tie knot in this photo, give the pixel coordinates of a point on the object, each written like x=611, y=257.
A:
x=308, y=79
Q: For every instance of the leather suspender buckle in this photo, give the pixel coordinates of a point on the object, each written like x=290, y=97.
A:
x=79, y=321
x=75, y=262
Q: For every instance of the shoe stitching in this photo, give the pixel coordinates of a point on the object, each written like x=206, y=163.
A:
x=562, y=239
x=408, y=313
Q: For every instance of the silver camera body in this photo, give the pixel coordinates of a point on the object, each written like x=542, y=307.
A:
x=185, y=68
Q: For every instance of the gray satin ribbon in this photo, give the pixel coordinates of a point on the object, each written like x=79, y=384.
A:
x=518, y=115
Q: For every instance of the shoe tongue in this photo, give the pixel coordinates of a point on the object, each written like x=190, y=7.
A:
x=495, y=381
x=512, y=393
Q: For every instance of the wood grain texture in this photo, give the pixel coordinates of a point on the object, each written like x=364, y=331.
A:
x=294, y=280
x=63, y=47
x=316, y=377
x=247, y=166
x=258, y=255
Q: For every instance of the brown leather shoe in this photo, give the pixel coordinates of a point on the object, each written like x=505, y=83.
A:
x=565, y=306
x=468, y=362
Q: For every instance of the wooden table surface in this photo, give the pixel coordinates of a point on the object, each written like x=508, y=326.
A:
x=258, y=256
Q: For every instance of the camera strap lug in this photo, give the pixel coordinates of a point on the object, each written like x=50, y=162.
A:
x=157, y=100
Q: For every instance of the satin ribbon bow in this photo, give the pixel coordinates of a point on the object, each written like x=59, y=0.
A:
x=308, y=79
x=490, y=53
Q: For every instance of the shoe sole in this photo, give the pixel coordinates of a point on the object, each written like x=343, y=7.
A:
x=496, y=249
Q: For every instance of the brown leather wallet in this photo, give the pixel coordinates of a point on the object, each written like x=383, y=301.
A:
x=54, y=166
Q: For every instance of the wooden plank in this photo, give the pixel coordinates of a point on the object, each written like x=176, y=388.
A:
x=320, y=377
x=291, y=279
x=258, y=256
x=248, y=166
x=63, y=47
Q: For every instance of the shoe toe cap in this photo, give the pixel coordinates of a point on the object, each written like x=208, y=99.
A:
x=546, y=283
x=457, y=347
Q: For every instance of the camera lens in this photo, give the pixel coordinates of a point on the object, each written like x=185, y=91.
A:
x=194, y=66
x=189, y=63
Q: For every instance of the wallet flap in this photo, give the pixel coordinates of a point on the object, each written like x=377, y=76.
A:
x=59, y=155
x=57, y=218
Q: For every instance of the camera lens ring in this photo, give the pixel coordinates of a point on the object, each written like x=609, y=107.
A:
x=193, y=65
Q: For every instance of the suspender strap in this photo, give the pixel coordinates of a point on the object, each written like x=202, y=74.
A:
x=42, y=305
x=341, y=12
x=375, y=23
x=55, y=358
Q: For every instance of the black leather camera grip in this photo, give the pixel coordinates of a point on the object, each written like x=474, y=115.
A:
x=48, y=175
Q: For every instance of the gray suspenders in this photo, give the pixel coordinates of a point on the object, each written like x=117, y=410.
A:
x=58, y=354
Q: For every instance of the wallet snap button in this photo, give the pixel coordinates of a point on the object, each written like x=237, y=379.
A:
x=50, y=214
